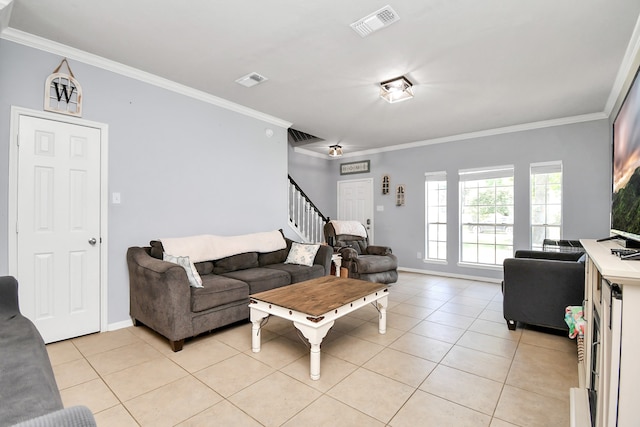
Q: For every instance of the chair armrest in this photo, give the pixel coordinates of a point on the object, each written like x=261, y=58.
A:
x=378, y=250
x=8, y=297
x=74, y=416
x=323, y=258
x=348, y=254
x=159, y=294
x=557, y=256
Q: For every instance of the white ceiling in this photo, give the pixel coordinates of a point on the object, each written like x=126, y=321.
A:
x=476, y=64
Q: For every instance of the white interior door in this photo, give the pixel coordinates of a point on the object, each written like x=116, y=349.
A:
x=58, y=226
x=355, y=203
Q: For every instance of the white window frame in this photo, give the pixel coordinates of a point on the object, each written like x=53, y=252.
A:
x=440, y=220
x=544, y=169
x=502, y=232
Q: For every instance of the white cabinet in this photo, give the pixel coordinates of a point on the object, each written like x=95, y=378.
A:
x=610, y=373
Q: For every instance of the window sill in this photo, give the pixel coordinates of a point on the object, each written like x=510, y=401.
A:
x=436, y=261
x=480, y=266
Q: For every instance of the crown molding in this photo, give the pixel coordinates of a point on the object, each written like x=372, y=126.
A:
x=626, y=73
x=50, y=46
x=314, y=153
x=5, y=13
x=480, y=134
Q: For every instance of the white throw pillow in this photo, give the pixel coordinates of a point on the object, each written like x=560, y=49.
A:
x=194, y=278
x=302, y=254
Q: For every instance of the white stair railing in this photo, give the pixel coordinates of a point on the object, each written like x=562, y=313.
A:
x=304, y=216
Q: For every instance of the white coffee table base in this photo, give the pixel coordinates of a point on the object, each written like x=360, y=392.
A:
x=314, y=328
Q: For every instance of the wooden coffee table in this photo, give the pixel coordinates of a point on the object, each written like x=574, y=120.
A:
x=314, y=305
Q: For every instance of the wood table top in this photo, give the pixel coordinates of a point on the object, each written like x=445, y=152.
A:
x=319, y=296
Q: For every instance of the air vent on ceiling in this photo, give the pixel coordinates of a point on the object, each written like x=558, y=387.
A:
x=251, y=79
x=373, y=22
x=297, y=138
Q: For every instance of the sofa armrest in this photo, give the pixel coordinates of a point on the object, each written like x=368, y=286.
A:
x=74, y=416
x=8, y=297
x=160, y=295
x=323, y=258
x=378, y=250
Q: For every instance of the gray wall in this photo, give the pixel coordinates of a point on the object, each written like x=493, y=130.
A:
x=181, y=165
x=583, y=148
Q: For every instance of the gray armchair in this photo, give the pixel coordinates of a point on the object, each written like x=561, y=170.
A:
x=539, y=285
x=363, y=261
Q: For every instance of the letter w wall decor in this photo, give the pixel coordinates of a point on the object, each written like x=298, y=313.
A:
x=63, y=93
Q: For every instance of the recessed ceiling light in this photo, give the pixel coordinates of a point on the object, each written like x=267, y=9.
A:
x=251, y=79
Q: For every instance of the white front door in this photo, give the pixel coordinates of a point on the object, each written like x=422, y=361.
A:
x=58, y=226
x=355, y=202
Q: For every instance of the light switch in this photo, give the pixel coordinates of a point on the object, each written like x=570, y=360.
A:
x=115, y=198
x=380, y=208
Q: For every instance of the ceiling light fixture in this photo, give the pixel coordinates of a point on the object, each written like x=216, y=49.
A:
x=335, y=151
x=396, y=90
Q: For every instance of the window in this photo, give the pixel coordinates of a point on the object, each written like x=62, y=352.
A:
x=435, y=187
x=546, y=202
x=486, y=215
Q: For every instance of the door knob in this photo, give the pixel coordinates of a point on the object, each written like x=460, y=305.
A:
x=92, y=241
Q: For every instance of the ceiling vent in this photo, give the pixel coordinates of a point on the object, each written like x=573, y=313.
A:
x=375, y=21
x=251, y=79
x=298, y=138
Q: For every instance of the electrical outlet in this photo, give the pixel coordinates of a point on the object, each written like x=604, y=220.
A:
x=419, y=255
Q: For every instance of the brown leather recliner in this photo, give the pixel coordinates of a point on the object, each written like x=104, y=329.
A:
x=363, y=261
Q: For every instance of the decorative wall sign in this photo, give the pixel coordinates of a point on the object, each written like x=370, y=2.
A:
x=400, y=195
x=62, y=92
x=386, y=181
x=355, y=167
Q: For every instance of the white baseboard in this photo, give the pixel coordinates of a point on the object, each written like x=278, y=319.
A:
x=453, y=275
x=119, y=325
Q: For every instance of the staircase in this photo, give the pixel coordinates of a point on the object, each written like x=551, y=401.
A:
x=304, y=217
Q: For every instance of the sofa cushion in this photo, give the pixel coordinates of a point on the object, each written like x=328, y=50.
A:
x=261, y=279
x=299, y=273
x=216, y=291
x=302, y=254
x=235, y=262
x=275, y=257
x=157, y=250
x=205, y=267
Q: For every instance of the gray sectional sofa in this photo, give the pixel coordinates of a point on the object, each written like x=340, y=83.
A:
x=162, y=299
x=29, y=394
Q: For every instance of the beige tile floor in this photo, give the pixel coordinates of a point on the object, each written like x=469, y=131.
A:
x=447, y=359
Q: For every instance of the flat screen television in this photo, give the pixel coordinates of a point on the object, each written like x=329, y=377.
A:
x=625, y=204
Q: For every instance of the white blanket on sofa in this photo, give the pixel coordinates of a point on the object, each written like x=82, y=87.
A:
x=354, y=228
x=208, y=247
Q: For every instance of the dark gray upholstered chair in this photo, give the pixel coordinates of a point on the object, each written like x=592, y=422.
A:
x=539, y=285
x=363, y=261
x=29, y=395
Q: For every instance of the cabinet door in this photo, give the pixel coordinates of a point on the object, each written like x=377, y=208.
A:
x=610, y=325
